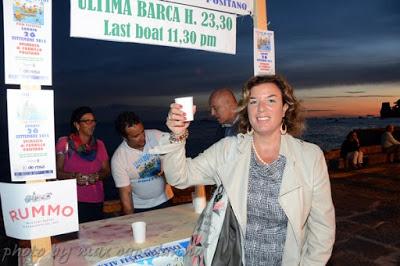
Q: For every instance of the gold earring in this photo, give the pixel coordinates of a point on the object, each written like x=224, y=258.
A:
x=283, y=128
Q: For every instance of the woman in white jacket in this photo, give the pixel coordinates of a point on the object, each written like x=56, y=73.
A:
x=277, y=186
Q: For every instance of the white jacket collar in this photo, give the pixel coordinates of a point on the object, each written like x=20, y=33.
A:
x=244, y=139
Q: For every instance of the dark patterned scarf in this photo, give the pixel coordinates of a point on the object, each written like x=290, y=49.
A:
x=85, y=151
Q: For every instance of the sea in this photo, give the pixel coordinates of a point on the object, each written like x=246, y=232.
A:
x=327, y=133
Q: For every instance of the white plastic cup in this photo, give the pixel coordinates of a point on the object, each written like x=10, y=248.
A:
x=187, y=106
x=199, y=203
x=139, y=232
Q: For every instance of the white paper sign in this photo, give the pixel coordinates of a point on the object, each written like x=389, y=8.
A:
x=154, y=22
x=27, y=42
x=264, y=52
x=31, y=134
x=39, y=210
x=241, y=7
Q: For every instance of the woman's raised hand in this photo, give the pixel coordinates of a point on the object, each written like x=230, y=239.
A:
x=176, y=119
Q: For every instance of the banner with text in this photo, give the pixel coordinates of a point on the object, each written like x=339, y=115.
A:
x=39, y=210
x=264, y=52
x=154, y=22
x=27, y=42
x=30, y=117
x=240, y=7
x=171, y=253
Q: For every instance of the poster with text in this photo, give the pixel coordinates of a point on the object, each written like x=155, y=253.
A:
x=264, y=52
x=31, y=142
x=171, y=253
x=27, y=42
x=39, y=210
x=154, y=22
x=240, y=7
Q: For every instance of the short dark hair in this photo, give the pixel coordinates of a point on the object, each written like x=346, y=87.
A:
x=77, y=115
x=388, y=127
x=350, y=134
x=126, y=119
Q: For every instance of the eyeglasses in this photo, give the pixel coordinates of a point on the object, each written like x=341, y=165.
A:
x=88, y=121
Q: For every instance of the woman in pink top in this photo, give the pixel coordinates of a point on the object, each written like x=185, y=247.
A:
x=83, y=157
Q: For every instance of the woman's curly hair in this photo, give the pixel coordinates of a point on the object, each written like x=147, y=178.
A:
x=294, y=116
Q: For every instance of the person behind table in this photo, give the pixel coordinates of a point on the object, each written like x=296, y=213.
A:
x=83, y=157
x=277, y=185
x=136, y=173
x=350, y=150
x=223, y=106
x=389, y=143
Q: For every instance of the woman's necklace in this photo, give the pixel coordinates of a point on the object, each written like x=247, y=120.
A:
x=257, y=155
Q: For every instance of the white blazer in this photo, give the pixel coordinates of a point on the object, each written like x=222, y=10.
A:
x=305, y=193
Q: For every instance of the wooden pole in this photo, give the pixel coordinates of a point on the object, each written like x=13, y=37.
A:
x=260, y=14
x=40, y=247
